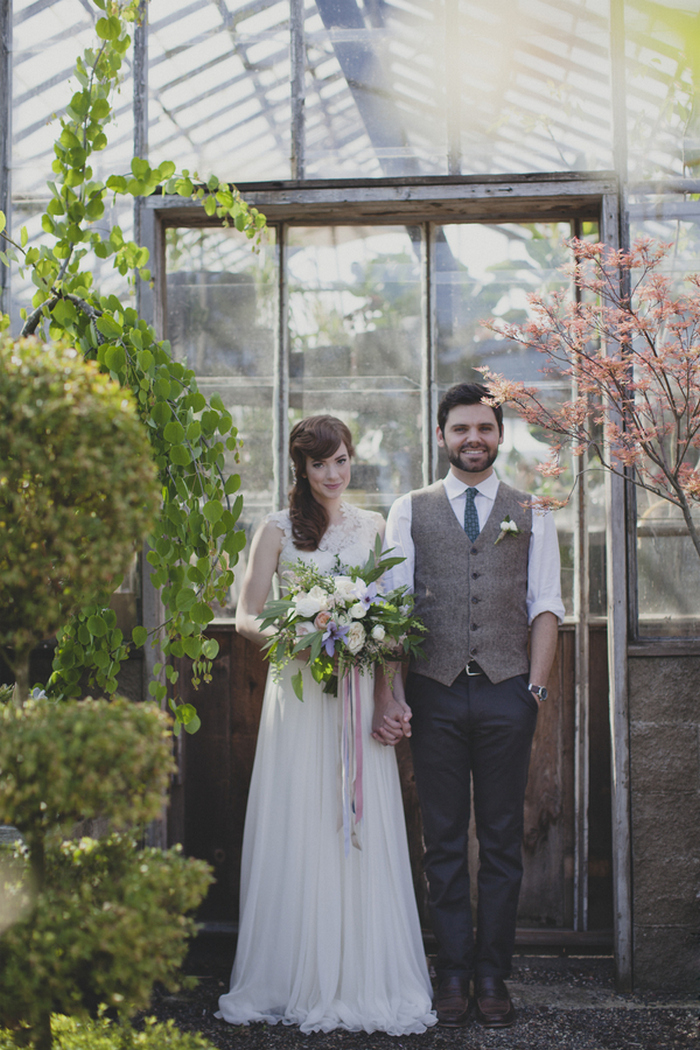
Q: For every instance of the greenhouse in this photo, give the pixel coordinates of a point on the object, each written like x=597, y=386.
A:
x=422, y=166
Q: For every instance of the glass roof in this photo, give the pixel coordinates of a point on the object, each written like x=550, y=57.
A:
x=388, y=87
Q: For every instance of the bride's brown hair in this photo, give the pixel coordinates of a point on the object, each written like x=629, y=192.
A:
x=317, y=437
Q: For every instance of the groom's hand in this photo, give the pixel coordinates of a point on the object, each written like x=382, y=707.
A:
x=392, y=715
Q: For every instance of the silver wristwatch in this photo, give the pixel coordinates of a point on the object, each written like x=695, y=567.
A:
x=539, y=691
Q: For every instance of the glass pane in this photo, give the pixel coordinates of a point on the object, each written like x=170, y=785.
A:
x=668, y=566
x=457, y=86
x=218, y=80
x=484, y=272
x=668, y=570
x=355, y=341
x=663, y=119
x=47, y=39
x=222, y=321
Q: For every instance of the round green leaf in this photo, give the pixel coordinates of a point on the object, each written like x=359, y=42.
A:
x=180, y=455
x=210, y=649
x=139, y=636
x=201, y=613
x=115, y=358
x=212, y=511
x=174, y=432
x=97, y=626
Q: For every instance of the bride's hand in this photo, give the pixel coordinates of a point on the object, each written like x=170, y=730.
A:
x=392, y=715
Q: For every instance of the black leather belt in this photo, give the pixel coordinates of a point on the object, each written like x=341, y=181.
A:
x=473, y=669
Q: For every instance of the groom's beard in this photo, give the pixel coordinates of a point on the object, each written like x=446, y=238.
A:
x=472, y=465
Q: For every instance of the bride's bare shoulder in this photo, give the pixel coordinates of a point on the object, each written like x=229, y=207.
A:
x=270, y=534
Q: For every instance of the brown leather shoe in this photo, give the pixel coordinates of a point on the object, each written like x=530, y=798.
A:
x=452, y=1002
x=494, y=1008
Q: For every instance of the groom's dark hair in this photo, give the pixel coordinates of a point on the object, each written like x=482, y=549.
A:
x=466, y=394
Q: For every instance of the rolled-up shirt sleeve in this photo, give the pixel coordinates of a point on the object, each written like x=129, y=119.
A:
x=398, y=536
x=544, y=569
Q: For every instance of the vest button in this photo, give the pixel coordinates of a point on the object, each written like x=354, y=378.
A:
x=474, y=651
x=475, y=627
x=474, y=550
x=475, y=575
x=474, y=601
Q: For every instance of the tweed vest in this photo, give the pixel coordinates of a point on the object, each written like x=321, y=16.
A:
x=471, y=595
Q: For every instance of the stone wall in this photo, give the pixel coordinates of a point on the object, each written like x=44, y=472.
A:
x=664, y=695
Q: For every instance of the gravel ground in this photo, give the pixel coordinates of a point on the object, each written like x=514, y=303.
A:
x=562, y=1002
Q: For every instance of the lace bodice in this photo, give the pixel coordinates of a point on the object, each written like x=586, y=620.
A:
x=351, y=539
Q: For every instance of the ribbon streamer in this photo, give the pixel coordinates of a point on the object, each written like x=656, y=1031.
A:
x=351, y=759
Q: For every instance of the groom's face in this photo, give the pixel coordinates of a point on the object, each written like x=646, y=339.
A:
x=471, y=439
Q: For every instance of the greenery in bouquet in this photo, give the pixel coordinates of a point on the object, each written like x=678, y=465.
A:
x=344, y=618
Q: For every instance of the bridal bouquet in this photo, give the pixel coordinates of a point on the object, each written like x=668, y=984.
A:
x=344, y=618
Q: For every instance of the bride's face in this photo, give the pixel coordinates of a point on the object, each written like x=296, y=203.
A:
x=329, y=478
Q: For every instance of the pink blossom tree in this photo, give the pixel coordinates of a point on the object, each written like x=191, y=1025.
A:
x=630, y=348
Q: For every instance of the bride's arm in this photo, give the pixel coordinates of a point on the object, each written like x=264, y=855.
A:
x=262, y=564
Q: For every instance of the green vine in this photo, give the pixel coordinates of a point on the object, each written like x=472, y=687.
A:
x=196, y=542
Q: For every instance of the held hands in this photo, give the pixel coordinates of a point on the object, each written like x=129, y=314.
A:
x=392, y=715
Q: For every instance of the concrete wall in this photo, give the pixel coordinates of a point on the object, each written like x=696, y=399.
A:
x=664, y=695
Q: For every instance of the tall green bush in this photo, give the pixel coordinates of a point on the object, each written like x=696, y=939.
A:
x=78, y=491
x=104, y=919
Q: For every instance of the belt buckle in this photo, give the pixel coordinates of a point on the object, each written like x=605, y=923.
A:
x=473, y=674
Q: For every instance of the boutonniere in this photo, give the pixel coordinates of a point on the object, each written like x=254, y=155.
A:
x=507, y=526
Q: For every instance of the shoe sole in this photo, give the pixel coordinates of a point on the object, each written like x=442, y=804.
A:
x=494, y=1024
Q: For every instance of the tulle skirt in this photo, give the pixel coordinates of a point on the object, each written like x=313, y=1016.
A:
x=327, y=940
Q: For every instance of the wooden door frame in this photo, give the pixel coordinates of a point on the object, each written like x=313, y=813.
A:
x=447, y=199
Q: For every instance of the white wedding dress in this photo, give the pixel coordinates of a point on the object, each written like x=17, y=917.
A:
x=326, y=940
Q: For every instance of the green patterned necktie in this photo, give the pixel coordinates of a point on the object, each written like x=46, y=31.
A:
x=471, y=518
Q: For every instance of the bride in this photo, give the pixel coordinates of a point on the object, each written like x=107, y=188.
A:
x=326, y=940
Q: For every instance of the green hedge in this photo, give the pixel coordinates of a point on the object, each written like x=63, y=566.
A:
x=109, y=923
x=72, y=1034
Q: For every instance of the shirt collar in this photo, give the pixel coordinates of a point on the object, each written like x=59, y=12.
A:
x=454, y=487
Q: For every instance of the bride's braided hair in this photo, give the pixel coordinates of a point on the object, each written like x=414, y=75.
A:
x=317, y=437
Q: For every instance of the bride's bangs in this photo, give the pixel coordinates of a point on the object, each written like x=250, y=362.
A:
x=320, y=437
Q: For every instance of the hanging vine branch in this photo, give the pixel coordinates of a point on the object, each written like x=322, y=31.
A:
x=196, y=541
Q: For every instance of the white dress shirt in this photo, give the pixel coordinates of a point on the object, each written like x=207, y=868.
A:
x=543, y=573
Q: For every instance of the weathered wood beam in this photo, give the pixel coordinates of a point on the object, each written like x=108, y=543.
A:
x=617, y=580
x=297, y=60
x=391, y=201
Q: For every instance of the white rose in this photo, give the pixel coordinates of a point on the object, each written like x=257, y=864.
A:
x=304, y=627
x=378, y=633
x=344, y=587
x=320, y=596
x=306, y=605
x=355, y=637
x=357, y=611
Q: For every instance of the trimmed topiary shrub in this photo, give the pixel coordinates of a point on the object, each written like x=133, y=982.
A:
x=89, y=922
x=73, y=1034
x=78, y=490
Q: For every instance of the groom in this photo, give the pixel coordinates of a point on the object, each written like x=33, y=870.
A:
x=484, y=567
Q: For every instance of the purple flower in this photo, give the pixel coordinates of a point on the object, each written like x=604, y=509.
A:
x=367, y=594
x=334, y=633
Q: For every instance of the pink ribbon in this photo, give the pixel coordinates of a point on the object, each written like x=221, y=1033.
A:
x=351, y=755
